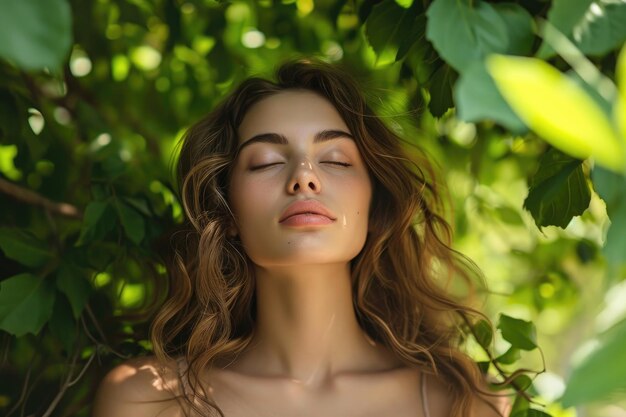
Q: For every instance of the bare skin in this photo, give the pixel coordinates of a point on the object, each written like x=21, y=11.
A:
x=308, y=357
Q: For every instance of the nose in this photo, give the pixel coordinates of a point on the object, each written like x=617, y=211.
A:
x=304, y=179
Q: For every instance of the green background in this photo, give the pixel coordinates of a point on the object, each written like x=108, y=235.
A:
x=95, y=94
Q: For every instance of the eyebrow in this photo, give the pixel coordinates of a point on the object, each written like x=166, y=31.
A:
x=278, y=139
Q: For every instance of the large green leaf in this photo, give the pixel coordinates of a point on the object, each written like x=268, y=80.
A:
x=36, y=34
x=558, y=109
x=464, y=32
x=519, y=24
x=558, y=190
x=519, y=333
x=25, y=304
x=24, y=247
x=391, y=30
x=595, y=26
x=477, y=98
x=603, y=27
x=601, y=373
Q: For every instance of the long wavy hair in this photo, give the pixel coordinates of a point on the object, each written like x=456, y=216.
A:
x=400, y=279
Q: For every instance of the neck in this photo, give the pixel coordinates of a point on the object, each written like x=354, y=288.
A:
x=306, y=328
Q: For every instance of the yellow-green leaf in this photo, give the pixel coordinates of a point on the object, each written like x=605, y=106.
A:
x=557, y=109
x=619, y=111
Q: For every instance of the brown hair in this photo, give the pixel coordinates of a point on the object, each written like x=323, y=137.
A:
x=399, y=278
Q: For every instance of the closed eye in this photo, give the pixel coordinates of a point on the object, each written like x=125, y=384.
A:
x=264, y=166
x=345, y=164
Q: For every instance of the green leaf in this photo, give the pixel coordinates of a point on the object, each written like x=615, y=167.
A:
x=601, y=372
x=25, y=304
x=483, y=333
x=610, y=187
x=519, y=333
x=97, y=222
x=392, y=30
x=62, y=324
x=558, y=109
x=464, y=33
x=619, y=111
x=72, y=283
x=440, y=89
x=477, y=98
x=511, y=356
x=24, y=248
x=132, y=221
x=519, y=25
x=564, y=15
x=558, y=190
x=36, y=34
x=602, y=27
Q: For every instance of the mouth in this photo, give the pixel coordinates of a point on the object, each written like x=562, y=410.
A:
x=310, y=208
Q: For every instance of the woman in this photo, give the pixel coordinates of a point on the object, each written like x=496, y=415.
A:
x=308, y=278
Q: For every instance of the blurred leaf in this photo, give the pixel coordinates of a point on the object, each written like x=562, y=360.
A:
x=519, y=25
x=603, y=27
x=483, y=333
x=558, y=190
x=611, y=188
x=25, y=304
x=390, y=26
x=24, y=248
x=564, y=15
x=71, y=282
x=557, y=109
x=97, y=222
x=36, y=34
x=464, y=33
x=519, y=333
x=132, y=221
x=601, y=372
x=477, y=98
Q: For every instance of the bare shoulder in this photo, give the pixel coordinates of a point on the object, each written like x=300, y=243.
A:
x=438, y=395
x=141, y=387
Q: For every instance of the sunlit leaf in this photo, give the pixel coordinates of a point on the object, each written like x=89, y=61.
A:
x=464, y=33
x=601, y=372
x=519, y=333
x=512, y=355
x=557, y=109
x=558, y=190
x=25, y=304
x=24, y=248
x=36, y=34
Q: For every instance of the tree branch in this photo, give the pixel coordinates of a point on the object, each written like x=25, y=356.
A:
x=30, y=197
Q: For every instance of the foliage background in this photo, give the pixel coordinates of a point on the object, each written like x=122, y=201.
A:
x=95, y=94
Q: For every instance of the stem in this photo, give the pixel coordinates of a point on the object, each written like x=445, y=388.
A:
x=30, y=197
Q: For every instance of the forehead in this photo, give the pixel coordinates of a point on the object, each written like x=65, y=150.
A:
x=290, y=112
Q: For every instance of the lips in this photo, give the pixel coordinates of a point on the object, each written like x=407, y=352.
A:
x=306, y=206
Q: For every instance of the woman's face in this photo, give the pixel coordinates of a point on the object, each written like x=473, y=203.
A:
x=295, y=146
